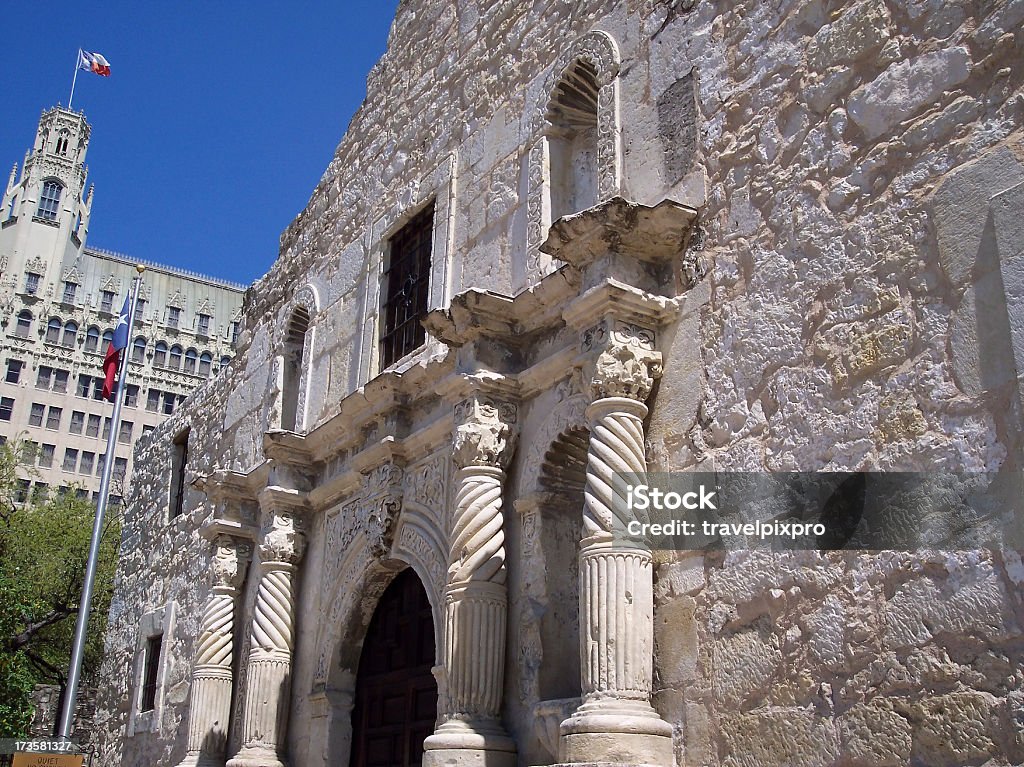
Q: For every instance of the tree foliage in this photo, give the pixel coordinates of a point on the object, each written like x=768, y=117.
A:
x=44, y=546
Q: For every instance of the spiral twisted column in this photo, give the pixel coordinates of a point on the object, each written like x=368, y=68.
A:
x=616, y=722
x=476, y=597
x=265, y=715
x=212, y=677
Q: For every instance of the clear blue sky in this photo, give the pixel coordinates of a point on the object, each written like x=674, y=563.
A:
x=216, y=123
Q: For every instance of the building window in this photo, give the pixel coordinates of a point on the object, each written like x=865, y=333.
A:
x=140, y=307
x=49, y=200
x=203, y=327
x=14, y=371
x=173, y=316
x=100, y=463
x=62, y=143
x=190, y=361
x=151, y=672
x=153, y=400
x=70, y=334
x=168, y=403
x=13, y=206
x=160, y=355
x=225, y=361
x=77, y=422
x=53, y=417
x=60, y=381
x=24, y=326
x=6, y=408
x=70, y=459
x=107, y=301
x=179, y=460
x=120, y=468
x=84, y=385
x=92, y=339
x=234, y=332
x=124, y=432
x=35, y=416
x=46, y=455
x=174, y=359
x=139, y=349
x=69, y=292
x=147, y=428
x=572, y=114
x=294, y=346
x=205, y=363
x=53, y=330
x=92, y=427
x=39, y=492
x=78, y=225
x=88, y=461
x=107, y=338
x=406, y=285
x=22, y=492
x=131, y=395
x=106, y=428
x=31, y=283
x=43, y=377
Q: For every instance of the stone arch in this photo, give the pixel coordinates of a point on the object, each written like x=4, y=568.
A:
x=598, y=54
x=350, y=592
x=295, y=339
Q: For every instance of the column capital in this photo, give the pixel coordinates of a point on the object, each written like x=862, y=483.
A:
x=229, y=558
x=484, y=431
x=282, y=539
x=619, y=359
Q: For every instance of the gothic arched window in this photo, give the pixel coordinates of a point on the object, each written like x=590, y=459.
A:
x=572, y=133
x=70, y=333
x=190, y=360
x=139, y=349
x=160, y=355
x=49, y=200
x=53, y=329
x=205, y=363
x=92, y=339
x=24, y=324
x=174, y=359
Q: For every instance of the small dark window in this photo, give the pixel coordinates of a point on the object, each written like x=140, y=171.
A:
x=107, y=301
x=151, y=671
x=203, y=328
x=406, y=286
x=69, y=292
x=179, y=460
x=131, y=395
x=24, y=326
x=14, y=371
x=173, y=316
x=6, y=408
x=153, y=400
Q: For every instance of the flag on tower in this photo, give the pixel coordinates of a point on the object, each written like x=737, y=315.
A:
x=117, y=344
x=93, y=62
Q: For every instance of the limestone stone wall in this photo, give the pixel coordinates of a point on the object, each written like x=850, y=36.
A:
x=856, y=167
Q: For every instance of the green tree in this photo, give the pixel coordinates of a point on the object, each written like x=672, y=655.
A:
x=44, y=546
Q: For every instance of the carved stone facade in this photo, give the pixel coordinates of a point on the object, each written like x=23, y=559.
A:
x=789, y=264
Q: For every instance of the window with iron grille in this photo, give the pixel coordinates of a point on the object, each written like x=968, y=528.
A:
x=179, y=460
x=151, y=672
x=49, y=200
x=406, y=286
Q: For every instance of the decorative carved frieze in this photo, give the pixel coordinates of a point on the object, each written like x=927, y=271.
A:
x=484, y=431
x=623, y=362
x=282, y=540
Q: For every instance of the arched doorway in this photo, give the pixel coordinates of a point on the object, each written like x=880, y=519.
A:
x=396, y=695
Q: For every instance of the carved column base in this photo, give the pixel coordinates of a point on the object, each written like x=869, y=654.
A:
x=266, y=712
x=209, y=716
x=616, y=722
x=475, y=614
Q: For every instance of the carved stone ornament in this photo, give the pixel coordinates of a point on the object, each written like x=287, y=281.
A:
x=229, y=560
x=484, y=432
x=626, y=363
x=380, y=522
x=282, y=542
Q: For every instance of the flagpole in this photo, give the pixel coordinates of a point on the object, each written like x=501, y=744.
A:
x=74, y=79
x=78, y=648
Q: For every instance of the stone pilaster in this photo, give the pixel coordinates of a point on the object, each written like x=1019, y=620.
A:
x=212, y=676
x=616, y=722
x=476, y=597
x=265, y=717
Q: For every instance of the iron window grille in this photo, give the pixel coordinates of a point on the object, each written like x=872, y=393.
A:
x=406, y=284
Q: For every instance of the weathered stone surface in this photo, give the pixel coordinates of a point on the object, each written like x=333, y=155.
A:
x=960, y=209
x=952, y=730
x=875, y=735
x=778, y=738
x=905, y=87
x=858, y=32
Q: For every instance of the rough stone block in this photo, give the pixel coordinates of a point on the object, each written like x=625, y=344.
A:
x=857, y=33
x=874, y=735
x=779, y=737
x=905, y=87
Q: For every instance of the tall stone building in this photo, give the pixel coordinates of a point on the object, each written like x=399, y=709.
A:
x=59, y=300
x=563, y=242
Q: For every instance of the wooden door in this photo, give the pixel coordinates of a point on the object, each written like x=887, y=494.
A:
x=396, y=695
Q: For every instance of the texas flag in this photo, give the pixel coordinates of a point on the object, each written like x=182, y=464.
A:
x=94, y=62
x=113, y=359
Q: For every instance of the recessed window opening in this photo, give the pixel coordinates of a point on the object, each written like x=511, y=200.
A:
x=294, y=345
x=572, y=136
x=406, y=288
x=151, y=672
x=179, y=459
